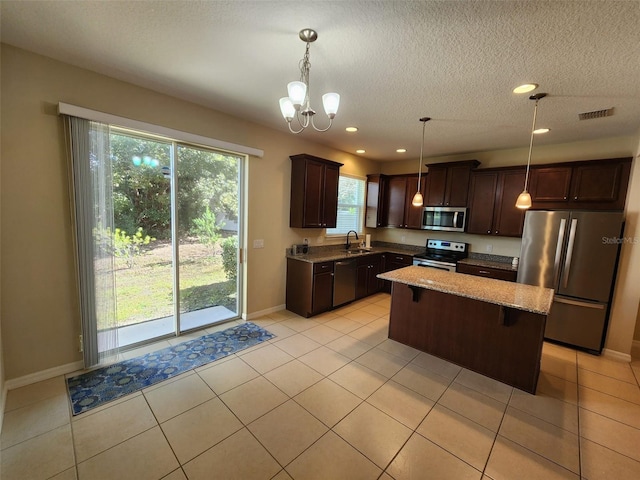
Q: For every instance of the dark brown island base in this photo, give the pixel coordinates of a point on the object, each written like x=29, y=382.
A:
x=492, y=327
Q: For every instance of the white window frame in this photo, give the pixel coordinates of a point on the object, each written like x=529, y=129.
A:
x=362, y=208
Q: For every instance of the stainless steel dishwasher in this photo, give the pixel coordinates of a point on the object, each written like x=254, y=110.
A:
x=344, y=282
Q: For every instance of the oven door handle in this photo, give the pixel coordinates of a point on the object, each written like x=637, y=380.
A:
x=450, y=268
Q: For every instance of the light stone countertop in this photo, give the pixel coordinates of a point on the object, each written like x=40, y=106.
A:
x=337, y=254
x=489, y=264
x=508, y=294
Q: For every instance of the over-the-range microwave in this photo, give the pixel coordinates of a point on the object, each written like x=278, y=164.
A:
x=451, y=219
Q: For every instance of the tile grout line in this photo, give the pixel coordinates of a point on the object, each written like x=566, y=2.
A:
x=497, y=433
x=579, y=422
x=414, y=430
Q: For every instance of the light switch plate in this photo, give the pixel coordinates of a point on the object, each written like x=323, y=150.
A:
x=258, y=243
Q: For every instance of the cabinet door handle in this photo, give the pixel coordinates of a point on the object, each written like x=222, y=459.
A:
x=488, y=231
x=496, y=232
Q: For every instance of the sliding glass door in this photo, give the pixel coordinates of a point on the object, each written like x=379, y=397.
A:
x=175, y=236
x=143, y=243
x=208, y=186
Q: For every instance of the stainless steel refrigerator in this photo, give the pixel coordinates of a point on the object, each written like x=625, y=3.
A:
x=576, y=254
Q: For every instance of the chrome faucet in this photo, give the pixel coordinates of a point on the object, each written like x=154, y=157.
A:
x=348, y=245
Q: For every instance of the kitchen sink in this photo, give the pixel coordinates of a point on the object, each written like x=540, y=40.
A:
x=359, y=251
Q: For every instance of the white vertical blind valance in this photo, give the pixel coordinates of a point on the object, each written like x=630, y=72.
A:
x=107, y=118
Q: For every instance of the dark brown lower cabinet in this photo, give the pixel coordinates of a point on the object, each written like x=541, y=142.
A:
x=322, y=292
x=499, y=342
x=394, y=261
x=487, y=272
x=309, y=287
x=367, y=270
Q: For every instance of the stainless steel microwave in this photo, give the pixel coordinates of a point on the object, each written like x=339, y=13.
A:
x=451, y=219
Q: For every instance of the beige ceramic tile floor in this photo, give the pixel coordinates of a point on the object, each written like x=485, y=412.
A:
x=332, y=398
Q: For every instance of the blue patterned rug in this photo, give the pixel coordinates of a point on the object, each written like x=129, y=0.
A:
x=105, y=384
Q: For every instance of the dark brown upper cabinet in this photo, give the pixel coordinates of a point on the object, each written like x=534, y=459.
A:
x=400, y=211
x=593, y=184
x=448, y=183
x=550, y=184
x=376, y=215
x=314, y=192
x=492, y=202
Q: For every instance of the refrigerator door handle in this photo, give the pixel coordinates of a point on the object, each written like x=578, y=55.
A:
x=559, y=246
x=567, y=260
x=597, y=306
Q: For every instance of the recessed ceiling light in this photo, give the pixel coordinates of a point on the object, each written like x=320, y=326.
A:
x=526, y=88
x=360, y=150
x=541, y=130
x=401, y=150
x=351, y=129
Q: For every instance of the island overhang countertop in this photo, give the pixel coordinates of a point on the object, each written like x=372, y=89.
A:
x=508, y=294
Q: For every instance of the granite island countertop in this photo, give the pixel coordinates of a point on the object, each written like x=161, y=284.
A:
x=508, y=294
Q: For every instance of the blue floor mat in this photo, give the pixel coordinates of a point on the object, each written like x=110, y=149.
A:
x=105, y=384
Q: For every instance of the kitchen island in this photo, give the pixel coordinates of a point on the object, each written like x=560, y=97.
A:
x=492, y=327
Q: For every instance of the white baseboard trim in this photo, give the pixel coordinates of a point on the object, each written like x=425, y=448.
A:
x=615, y=355
x=43, y=375
x=261, y=313
x=635, y=349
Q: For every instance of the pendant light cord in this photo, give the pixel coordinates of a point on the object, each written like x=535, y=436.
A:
x=424, y=121
x=533, y=127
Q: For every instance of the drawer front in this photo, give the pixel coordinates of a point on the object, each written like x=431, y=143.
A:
x=508, y=275
x=323, y=267
x=400, y=259
x=369, y=259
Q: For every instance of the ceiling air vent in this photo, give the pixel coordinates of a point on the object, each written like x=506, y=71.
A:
x=596, y=114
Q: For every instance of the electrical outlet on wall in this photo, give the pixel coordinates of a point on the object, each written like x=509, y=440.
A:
x=489, y=248
x=403, y=238
x=305, y=241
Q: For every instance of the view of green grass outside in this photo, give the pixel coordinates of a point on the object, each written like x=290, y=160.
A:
x=145, y=291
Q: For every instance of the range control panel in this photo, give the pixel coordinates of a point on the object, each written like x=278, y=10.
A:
x=447, y=245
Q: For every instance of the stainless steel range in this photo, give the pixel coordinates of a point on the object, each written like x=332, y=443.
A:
x=442, y=254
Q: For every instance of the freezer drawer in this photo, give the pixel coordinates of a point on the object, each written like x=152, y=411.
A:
x=577, y=323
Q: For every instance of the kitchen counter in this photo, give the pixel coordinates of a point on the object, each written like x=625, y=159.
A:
x=493, y=327
x=489, y=264
x=507, y=294
x=340, y=254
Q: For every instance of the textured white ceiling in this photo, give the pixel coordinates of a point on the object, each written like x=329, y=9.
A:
x=392, y=62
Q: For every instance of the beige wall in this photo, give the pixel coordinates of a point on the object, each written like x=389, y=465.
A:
x=40, y=320
x=636, y=336
x=624, y=316
x=565, y=152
